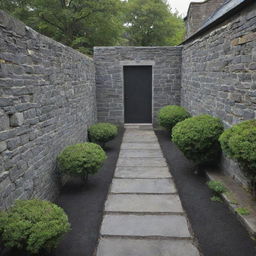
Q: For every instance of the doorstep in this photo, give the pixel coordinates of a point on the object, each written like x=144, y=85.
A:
x=238, y=197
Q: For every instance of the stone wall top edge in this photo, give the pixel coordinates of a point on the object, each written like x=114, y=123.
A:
x=138, y=47
x=17, y=26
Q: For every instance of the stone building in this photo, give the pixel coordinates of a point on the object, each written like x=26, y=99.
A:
x=198, y=13
x=51, y=93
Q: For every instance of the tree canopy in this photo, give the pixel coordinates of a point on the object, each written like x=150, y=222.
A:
x=83, y=24
x=151, y=23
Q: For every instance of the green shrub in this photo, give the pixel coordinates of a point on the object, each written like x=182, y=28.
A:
x=239, y=143
x=33, y=225
x=81, y=159
x=217, y=187
x=169, y=116
x=243, y=211
x=216, y=199
x=197, y=137
x=102, y=132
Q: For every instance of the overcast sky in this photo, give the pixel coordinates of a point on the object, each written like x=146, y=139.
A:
x=182, y=5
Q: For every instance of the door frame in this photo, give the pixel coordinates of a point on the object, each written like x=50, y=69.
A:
x=138, y=63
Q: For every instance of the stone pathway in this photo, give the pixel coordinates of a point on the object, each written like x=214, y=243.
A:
x=143, y=212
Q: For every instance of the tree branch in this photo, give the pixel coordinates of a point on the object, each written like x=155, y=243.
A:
x=62, y=3
x=51, y=23
x=70, y=2
x=88, y=14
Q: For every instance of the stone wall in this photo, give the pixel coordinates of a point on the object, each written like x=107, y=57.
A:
x=198, y=13
x=219, y=73
x=109, y=62
x=47, y=100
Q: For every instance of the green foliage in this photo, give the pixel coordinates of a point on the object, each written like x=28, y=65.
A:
x=216, y=199
x=102, y=132
x=81, y=159
x=33, y=225
x=239, y=143
x=83, y=24
x=242, y=211
x=217, y=187
x=151, y=23
x=80, y=24
x=169, y=116
x=197, y=137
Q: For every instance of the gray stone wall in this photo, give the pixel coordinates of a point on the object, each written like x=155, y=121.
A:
x=109, y=62
x=219, y=73
x=47, y=100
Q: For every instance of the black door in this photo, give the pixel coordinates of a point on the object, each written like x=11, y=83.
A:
x=138, y=94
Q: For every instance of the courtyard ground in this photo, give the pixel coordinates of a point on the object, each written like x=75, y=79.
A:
x=213, y=226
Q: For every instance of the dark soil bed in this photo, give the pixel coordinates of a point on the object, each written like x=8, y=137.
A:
x=216, y=228
x=84, y=205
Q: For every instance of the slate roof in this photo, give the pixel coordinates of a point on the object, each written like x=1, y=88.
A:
x=226, y=10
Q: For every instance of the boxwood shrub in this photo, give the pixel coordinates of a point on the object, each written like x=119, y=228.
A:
x=81, y=159
x=33, y=225
x=169, y=116
x=102, y=132
x=197, y=137
x=239, y=143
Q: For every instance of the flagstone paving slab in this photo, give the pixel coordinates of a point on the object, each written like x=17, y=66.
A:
x=140, y=138
x=154, y=186
x=139, y=247
x=142, y=161
x=143, y=203
x=174, y=226
x=140, y=153
x=140, y=132
x=140, y=145
x=142, y=172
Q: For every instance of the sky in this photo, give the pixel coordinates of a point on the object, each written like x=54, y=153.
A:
x=181, y=5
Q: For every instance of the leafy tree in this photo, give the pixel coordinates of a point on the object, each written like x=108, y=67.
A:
x=151, y=23
x=83, y=24
x=80, y=24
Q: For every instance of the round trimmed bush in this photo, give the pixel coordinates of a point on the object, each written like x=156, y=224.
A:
x=197, y=137
x=169, y=116
x=239, y=143
x=102, y=132
x=81, y=159
x=33, y=225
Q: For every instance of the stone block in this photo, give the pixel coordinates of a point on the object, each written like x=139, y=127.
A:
x=4, y=121
x=152, y=247
x=171, y=226
x=139, y=138
x=13, y=143
x=140, y=146
x=140, y=153
x=3, y=146
x=4, y=102
x=142, y=172
x=143, y=203
x=244, y=39
x=3, y=176
x=153, y=186
x=142, y=161
x=16, y=120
